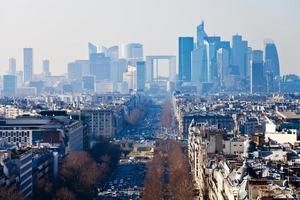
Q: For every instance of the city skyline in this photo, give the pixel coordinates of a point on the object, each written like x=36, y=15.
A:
x=39, y=33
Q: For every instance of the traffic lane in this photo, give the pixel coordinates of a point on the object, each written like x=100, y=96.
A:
x=126, y=182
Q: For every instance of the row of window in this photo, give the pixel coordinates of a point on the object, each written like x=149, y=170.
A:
x=17, y=139
x=16, y=133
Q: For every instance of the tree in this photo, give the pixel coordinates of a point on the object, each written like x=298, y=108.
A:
x=10, y=194
x=154, y=183
x=43, y=189
x=65, y=194
x=80, y=174
x=166, y=117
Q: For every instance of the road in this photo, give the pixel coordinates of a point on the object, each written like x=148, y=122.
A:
x=126, y=182
x=147, y=127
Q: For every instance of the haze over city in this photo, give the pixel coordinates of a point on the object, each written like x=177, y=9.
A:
x=149, y=100
x=59, y=30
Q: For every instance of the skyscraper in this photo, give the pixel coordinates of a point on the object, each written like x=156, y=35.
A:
x=257, y=78
x=85, y=66
x=212, y=44
x=201, y=35
x=113, y=52
x=100, y=66
x=92, y=48
x=223, y=64
x=9, y=85
x=88, y=83
x=46, y=67
x=118, y=67
x=186, y=46
x=141, y=75
x=74, y=71
x=28, y=64
x=239, y=55
x=272, y=67
x=199, y=69
x=134, y=53
x=12, y=66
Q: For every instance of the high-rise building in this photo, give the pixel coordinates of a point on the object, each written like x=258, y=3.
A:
x=186, y=46
x=12, y=66
x=212, y=44
x=199, y=69
x=46, y=67
x=100, y=66
x=223, y=64
x=118, y=67
x=272, y=67
x=85, y=66
x=92, y=48
x=74, y=71
x=257, y=78
x=134, y=53
x=9, y=85
x=88, y=83
x=130, y=77
x=113, y=52
x=201, y=35
x=28, y=64
x=239, y=55
x=141, y=75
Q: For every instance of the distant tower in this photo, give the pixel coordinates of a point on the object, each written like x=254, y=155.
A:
x=134, y=53
x=257, y=78
x=223, y=64
x=186, y=46
x=239, y=55
x=100, y=66
x=199, y=67
x=113, y=52
x=201, y=34
x=46, y=67
x=141, y=75
x=272, y=67
x=12, y=66
x=74, y=71
x=28, y=64
x=9, y=85
x=92, y=49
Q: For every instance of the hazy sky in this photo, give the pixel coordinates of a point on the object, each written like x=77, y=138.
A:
x=60, y=29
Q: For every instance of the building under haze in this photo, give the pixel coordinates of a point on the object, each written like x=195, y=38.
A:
x=100, y=66
x=9, y=85
x=46, y=67
x=201, y=34
x=186, y=46
x=88, y=83
x=199, y=67
x=113, y=52
x=134, y=53
x=12, y=66
x=141, y=75
x=239, y=55
x=92, y=48
x=74, y=71
x=272, y=67
x=28, y=64
x=257, y=78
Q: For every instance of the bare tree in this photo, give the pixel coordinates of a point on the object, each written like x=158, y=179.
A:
x=154, y=184
x=65, y=194
x=10, y=194
x=80, y=173
x=180, y=179
x=166, y=117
